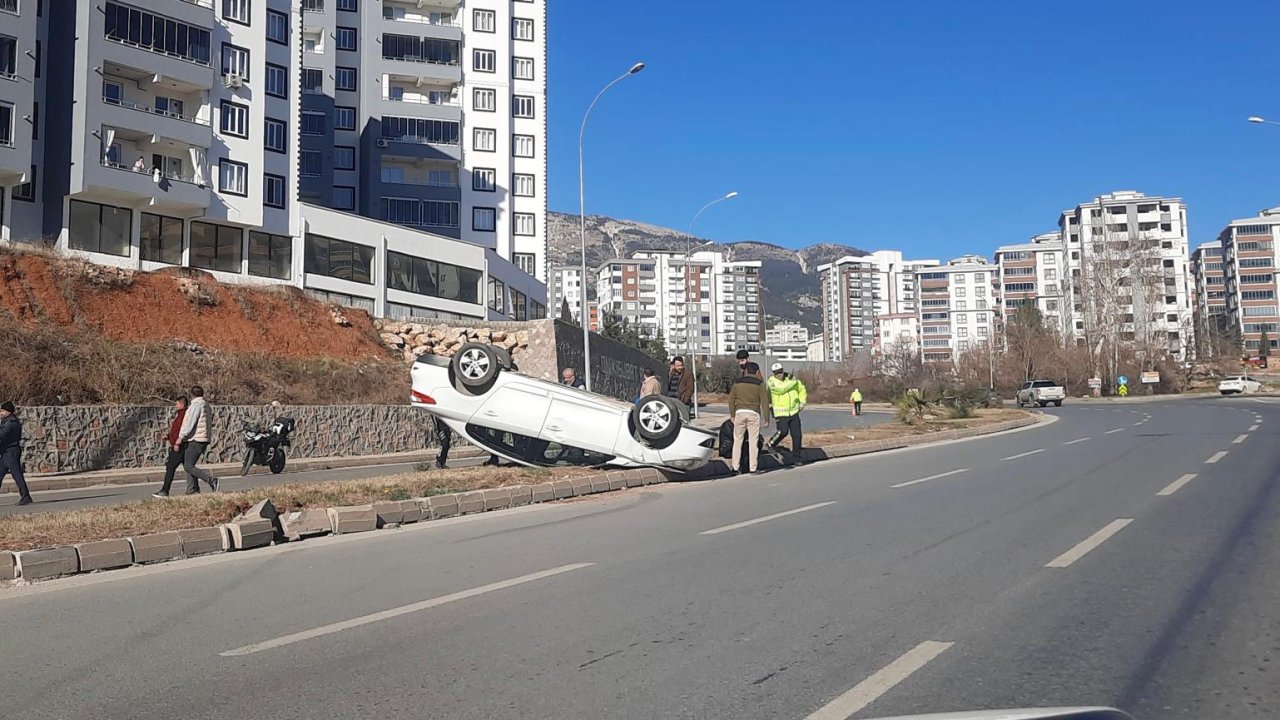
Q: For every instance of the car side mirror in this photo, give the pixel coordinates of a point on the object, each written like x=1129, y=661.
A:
x=1081, y=713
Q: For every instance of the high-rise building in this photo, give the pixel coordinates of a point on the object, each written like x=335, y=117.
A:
x=786, y=334
x=1033, y=273
x=1209, y=297
x=190, y=133
x=958, y=307
x=1249, y=263
x=739, y=308
x=854, y=290
x=628, y=291
x=565, y=291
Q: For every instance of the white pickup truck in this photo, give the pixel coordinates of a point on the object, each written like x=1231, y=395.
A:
x=1040, y=392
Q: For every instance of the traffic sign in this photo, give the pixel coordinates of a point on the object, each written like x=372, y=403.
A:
x=1150, y=377
x=1095, y=383
x=1122, y=380
x=1124, y=390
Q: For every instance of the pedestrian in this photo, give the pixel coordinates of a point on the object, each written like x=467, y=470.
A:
x=569, y=377
x=680, y=386
x=444, y=438
x=11, y=451
x=195, y=438
x=788, y=397
x=748, y=408
x=856, y=398
x=651, y=385
x=173, y=444
x=744, y=357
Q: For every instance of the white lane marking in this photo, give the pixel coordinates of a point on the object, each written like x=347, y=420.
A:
x=1176, y=484
x=1077, y=440
x=766, y=518
x=931, y=477
x=1114, y=431
x=1253, y=427
x=1138, y=423
x=397, y=612
x=881, y=682
x=1240, y=438
x=1022, y=455
x=1216, y=457
x=1089, y=543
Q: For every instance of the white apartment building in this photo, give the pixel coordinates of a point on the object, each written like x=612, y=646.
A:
x=1209, y=296
x=1102, y=239
x=786, y=334
x=854, y=290
x=1249, y=263
x=958, y=307
x=1033, y=273
x=565, y=290
x=895, y=331
x=186, y=133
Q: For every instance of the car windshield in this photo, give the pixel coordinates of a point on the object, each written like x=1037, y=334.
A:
x=534, y=450
x=1044, y=383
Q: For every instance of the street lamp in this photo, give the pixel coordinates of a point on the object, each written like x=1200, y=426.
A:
x=688, y=252
x=1262, y=120
x=582, y=224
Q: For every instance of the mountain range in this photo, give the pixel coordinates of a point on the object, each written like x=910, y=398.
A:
x=789, y=276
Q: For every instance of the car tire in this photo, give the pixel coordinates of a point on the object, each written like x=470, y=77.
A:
x=504, y=358
x=1043, y=403
x=656, y=420
x=1057, y=403
x=475, y=366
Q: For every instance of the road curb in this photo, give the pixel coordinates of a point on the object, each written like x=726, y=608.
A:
x=252, y=532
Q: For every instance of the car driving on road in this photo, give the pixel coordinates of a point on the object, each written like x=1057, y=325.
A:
x=1040, y=392
x=537, y=422
x=1238, y=384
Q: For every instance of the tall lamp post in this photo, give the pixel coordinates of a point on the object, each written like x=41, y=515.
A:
x=688, y=251
x=582, y=223
x=1262, y=121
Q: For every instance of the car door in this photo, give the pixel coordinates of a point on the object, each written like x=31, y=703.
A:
x=1025, y=394
x=515, y=406
x=576, y=418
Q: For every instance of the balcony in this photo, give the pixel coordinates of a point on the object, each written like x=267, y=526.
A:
x=140, y=170
x=159, y=110
x=182, y=71
x=423, y=60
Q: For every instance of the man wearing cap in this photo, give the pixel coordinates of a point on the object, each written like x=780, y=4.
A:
x=11, y=450
x=788, y=397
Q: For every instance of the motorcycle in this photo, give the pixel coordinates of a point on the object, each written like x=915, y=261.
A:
x=266, y=447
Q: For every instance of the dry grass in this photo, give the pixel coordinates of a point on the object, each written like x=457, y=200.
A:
x=25, y=532
x=890, y=431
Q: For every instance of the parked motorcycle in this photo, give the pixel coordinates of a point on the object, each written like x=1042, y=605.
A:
x=266, y=447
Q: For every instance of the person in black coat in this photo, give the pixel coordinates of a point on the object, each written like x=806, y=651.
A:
x=11, y=451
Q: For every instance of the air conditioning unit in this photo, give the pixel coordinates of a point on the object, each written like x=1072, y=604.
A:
x=382, y=142
x=232, y=80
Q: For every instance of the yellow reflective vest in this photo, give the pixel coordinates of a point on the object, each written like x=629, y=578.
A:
x=787, y=395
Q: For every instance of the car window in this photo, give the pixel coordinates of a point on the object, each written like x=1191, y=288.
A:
x=534, y=450
x=1045, y=383
x=1026, y=385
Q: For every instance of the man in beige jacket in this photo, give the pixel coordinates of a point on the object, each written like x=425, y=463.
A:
x=194, y=438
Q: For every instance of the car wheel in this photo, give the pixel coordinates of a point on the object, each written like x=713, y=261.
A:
x=475, y=366
x=1057, y=403
x=1043, y=403
x=504, y=358
x=656, y=419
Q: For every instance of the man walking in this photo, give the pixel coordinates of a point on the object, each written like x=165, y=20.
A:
x=680, y=385
x=748, y=408
x=856, y=398
x=174, y=445
x=195, y=436
x=788, y=396
x=569, y=377
x=444, y=438
x=11, y=450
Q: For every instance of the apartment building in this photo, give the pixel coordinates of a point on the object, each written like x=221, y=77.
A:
x=897, y=332
x=1249, y=263
x=739, y=307
x=1209, y=297
x=430, y=114
x=565, y=291
x=170, y=134
x=1127, y=253
x=628, y=291
x=1032, y=273
x=786, y=334
x=854, y=290
x=958, y=307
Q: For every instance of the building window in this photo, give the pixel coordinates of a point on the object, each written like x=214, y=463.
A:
x=234, y=119
x=216, y=247
x=270, y=256
x=483, y=21
x=273, y=191
x=523, y=185
x=1050, y=259
x=236, y=11
x=518, y=308
x=309, y=163
x=277, y=27
x=277, y=81
x=497, y=295
x=484, y=61
x=959, y=292
x=344, y=78
x=274, y=134
x=522, y=106
x=423, y=276
x=484, y=179
x=99, y=228
x=439, y=213
x=344, y=197
x=6, y=125
x=419, y=130
x=8, y=56
x=1050, y=274
x=484, y=140
x=344, y=157
x=160, y=239
x=312, y=81
x=313, y=41
x=524, y=224
x=312, y=123
x=522, y=68
x=348, y=5
x=522, y=146
x=155, y=33
x=419, y=49
x=344, y=118
x=235, y=61
x=233, y=177
x=345, y=39
x=484, y=99
x=528, y=262
x=521, y=29
x=339, y=259
x=483, y=219
x=27, y=190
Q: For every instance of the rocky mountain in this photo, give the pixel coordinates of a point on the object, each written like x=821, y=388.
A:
x=790, y=277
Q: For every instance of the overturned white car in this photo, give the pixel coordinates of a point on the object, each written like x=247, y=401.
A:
x=537, y=422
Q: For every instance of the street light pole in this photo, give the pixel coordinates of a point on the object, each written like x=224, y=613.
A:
x=582, y=223
x=1262, y=121
x=688, y=251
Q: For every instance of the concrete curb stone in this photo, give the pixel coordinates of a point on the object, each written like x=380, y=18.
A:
x=471, y=502
x=582, y=485
x=8, y=566
x=632, y=481
x=410, y=512
x=48, y=563
x=563, y=489
x=250, y=533
x=157, y=547
x=496, y=498
x=388, y=512
x=543, y=492
x=299, y=524
x=353, y=519
x=443, y=506
x=104, y=555
x=600, y=483
x=203, y=541
x=617, y=480
x=521, y=495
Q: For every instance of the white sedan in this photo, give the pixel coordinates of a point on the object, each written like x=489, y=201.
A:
x=537, y=422
x=1238, y=384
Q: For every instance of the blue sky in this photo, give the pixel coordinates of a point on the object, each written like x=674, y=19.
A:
x=923, y=125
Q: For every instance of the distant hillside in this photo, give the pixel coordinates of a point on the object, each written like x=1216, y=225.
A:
x=790, y=277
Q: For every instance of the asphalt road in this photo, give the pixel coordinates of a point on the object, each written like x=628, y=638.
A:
x=1125, y=555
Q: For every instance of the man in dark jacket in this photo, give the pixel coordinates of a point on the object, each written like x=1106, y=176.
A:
x=173, y=443
x=680, y=385
x=11, y=450
x=749, y=409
